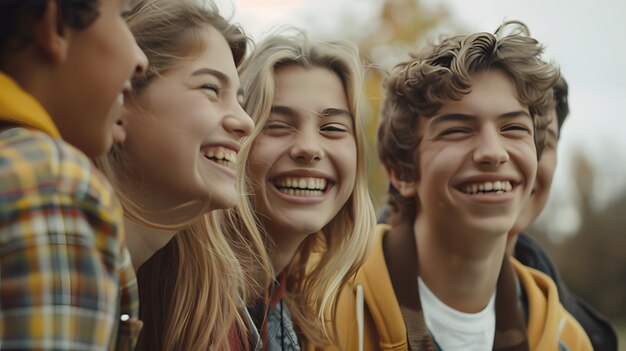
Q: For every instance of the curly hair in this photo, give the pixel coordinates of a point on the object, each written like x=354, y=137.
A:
x=17, y=15
x=417, y=88
x=561, y=91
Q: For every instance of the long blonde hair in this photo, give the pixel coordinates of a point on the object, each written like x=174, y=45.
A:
x=313, y=283
x=196, y=306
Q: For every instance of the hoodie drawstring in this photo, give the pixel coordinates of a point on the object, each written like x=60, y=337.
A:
x=359, y=314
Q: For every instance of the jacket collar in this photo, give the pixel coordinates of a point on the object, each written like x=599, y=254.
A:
x=19, y=107
x=510, y=326
x=380, y=297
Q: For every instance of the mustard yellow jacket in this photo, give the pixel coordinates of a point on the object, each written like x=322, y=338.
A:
x=550, y=326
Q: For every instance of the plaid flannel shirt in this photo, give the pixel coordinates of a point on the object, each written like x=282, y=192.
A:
x=66, y=279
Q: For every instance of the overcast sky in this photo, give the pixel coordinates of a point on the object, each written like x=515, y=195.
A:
x=586, y=38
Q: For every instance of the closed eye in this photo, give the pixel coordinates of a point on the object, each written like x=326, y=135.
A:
x=517, y=128
x=335, y=127
x=455, y=131
x=275, y=125
x=211, y=89
x=277, y=128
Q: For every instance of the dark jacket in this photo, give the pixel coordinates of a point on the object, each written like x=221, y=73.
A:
x=601, y=333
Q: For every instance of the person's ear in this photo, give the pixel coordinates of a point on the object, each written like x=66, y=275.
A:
x=51, y=36
x=406, y=188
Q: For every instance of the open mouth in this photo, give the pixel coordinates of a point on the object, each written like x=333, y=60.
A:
x=301, y=186
x=497, y=187
x=223, y=156
x=121, y=98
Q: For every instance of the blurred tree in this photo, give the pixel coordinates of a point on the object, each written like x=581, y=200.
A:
x=593, y=262
x=400, y=27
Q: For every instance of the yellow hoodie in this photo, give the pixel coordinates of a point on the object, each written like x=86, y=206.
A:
x=550, y=327
x=19, y=107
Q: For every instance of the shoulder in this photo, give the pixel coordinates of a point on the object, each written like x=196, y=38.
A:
x=50, y=189
x=572, y=336
x=365, y=279
x=33, y=163
x=549, y=322
x=600, y=331
x=374, y=265
x=372, y=289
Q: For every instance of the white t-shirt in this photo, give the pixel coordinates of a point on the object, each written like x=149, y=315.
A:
x=454, y=330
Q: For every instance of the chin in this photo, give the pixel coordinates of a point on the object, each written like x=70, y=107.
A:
x=308, y=229
x=497, y=227
x=222, y=203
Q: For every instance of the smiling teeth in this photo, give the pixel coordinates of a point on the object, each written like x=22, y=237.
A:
x=301, y=186
x=298, y=192
x=494, y=187
x=220, y=154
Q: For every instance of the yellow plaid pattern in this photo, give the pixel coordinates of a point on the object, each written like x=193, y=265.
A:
x=65, y=274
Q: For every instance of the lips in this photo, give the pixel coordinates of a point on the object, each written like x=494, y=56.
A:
x=120, y=98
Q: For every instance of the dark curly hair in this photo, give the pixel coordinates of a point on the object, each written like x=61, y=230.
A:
x=561, y=90
x=16, y=16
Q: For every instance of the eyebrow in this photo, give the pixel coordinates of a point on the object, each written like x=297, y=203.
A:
x=461, y=117
x=217, y=74
x=327, y=112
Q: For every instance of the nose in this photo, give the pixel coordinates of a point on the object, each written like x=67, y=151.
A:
x=238, y=122
x=307, y=148
x=490, y=149
x=142, y=62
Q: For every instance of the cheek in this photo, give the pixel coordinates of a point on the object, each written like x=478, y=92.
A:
x=348, y=161
x=148, y=134
x=202, y=116
x=153, y=144
x=120, y=43
x=261, y=157
x=526, y=158
x=438, y=162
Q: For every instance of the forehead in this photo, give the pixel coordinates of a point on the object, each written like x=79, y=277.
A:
x=207, y=47
x=493, y=93
x=311, y=88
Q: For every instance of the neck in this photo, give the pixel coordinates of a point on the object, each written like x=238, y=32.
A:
x=510, y=244
x=33, y=77
x=143, y=241
x=460, y=269
x=285, y=247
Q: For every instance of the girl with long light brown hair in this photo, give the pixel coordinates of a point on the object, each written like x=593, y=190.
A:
x=177, y=170
x=305, y=173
